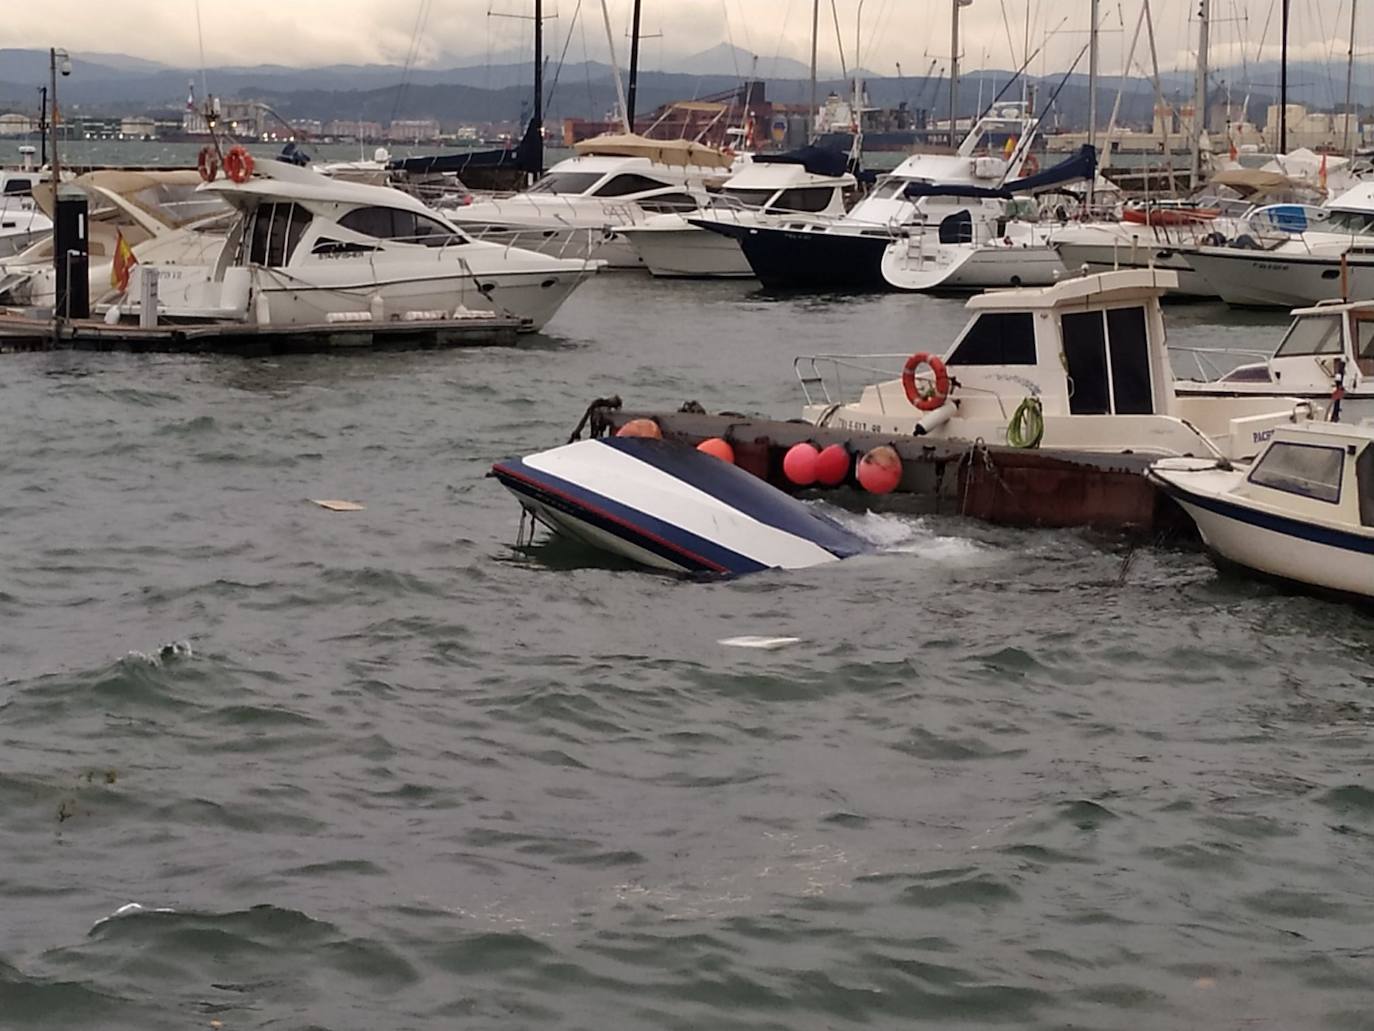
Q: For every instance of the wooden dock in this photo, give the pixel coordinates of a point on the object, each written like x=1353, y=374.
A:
x=21, y=333
x=995, y=483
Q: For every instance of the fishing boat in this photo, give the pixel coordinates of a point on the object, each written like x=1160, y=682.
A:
x=1303, y=512
x=668, y=506
x=1080, y=366
x=812, y=180
x=1326, y=356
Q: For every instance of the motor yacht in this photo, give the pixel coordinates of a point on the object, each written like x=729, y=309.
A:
x=1289, y=263
x=574, y=210
x=22, y=222
x=1081, y=366
x=1303, y=512
x=308, y=249
x=769, y=188
x=890, y=239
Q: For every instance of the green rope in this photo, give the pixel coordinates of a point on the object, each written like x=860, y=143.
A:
x=1027, y=426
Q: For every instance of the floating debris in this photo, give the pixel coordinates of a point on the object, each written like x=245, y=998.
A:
x=338, y=506
x=764, y=643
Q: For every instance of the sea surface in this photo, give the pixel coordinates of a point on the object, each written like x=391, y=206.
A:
x=266, y=766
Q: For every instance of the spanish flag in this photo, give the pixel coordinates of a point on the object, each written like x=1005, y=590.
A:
x=123, y=264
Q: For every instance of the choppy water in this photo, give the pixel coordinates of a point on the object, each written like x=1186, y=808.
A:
x=380, y=770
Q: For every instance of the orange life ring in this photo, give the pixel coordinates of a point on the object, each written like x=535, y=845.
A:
x=1030, y=166
x=207, y=163
x=926, y=402
x=238, y=164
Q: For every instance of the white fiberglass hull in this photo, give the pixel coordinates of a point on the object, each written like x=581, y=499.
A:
x=970, y=266
x=1302, y=551
x=1105, y=257
x=687, y=252
x=1268, y=280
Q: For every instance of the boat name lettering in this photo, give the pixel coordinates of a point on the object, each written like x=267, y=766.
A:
x=1260, y=436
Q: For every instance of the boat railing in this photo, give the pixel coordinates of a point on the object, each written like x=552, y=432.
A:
x=1210, y=361
x=815, y=383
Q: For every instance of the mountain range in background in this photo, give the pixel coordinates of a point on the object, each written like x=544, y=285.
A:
x=494, y=92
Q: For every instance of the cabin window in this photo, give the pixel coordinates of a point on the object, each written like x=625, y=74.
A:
x=18, y=188
x=1108, y=358
x=1309, y=470
x=998, y=338
x=1364, y=346
x=753, y=198
x=400, y=225
x=625, y=185
x=670, y=202
x=1364, y=480
x=957, y=228
x=566, y=182
x=811, y=198
x=274, y=232
x=1316, y=334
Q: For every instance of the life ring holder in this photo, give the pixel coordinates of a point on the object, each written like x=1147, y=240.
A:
x=935, y=399
x=207, y=163
x=238, y=164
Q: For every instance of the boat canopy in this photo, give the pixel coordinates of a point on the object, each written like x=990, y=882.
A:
x=816, y=160
x=664, y=152
x=1081, y=165
x=1255, y=182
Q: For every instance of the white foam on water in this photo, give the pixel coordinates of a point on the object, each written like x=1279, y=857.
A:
x=175, y=650
x=909, y=535
x=130, y=909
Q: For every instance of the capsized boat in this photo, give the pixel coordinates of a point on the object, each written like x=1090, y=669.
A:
x=1302, y=512
x=1080, y=366
x=668, y=506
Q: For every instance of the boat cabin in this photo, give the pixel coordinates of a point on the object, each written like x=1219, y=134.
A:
x=1089, y=352
x=1322, y=472
x=779, y=185
x=1329, y=344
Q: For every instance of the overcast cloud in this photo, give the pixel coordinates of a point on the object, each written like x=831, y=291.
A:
x=912, y=32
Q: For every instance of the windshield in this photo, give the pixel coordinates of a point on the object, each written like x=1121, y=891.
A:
x=1312, y=335
x=751, y=198
x=888, y=188
x=566, y=182
x=179, y=204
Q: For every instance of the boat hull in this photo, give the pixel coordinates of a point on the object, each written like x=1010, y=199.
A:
x=671, y=507
x=1301, y=552
x=795, y=259
x=1098, y=257
x=688, y=252
x=969, y=267
x=1255, y=279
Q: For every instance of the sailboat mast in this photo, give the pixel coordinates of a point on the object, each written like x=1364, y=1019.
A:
x=539, y=81
x=1200, y=90
x=1092, y=89
x=1349, y=84
x=815, y=36
x=1283, y=83
x=634, y=68
x=954, y=74
x=615, y=65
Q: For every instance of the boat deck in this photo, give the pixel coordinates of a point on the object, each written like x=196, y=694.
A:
x=19, y=332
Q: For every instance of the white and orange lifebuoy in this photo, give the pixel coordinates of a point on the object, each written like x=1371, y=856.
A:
x=207, y=163
x=936, y=398
x=238, y=164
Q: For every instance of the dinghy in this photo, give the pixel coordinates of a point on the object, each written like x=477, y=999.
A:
x=668, y=506
x=1302, y=512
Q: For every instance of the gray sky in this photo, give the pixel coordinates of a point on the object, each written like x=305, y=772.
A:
x=912, y=32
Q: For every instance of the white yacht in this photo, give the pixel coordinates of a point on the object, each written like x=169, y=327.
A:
x=1330, y=254
x=307, y=249
x=810, y=181
x=1303, y=512
x=574, y=210
x=1327, y=355
x=1151, y=236
x=22, y=222
x=1081, y=365
x=929, y=201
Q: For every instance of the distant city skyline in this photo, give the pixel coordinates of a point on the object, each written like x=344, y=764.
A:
x=914, y=33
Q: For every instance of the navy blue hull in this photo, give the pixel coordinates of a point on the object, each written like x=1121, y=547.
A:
x=783, y=259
